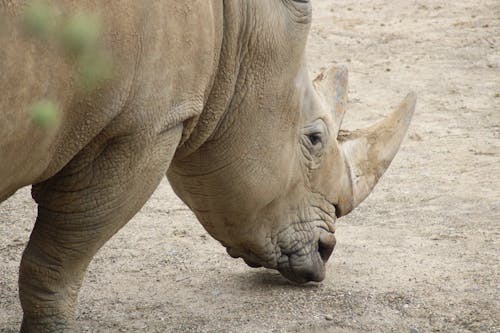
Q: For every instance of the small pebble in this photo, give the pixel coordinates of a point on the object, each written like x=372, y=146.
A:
x=328, y=317
x=414, y=330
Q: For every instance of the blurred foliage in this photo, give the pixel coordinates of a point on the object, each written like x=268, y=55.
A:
x=77, y=36
x=45, y=114
x=39, y=19
x=93, y=69
x=80, y=34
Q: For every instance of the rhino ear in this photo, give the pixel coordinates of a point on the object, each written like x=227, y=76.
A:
x=368, y=153
x=332, y=87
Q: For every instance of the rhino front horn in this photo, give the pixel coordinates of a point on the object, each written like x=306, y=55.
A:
x=368, y=153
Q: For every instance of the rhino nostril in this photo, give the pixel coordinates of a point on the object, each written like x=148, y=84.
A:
x=326, y=244
x=324, y=251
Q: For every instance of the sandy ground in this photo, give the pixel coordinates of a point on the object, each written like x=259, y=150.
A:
x=421, y=254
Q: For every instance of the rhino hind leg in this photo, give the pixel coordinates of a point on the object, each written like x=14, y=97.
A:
x=79, y=209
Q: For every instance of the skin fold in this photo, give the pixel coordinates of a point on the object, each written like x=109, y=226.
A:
x=225, y=108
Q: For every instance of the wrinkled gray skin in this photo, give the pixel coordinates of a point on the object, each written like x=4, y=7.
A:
x=216, y=94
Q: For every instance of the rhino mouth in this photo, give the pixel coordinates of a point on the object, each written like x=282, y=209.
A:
x=248, y=257
x=298, y=263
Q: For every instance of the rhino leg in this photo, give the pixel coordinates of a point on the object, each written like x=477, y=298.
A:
x=79, y=209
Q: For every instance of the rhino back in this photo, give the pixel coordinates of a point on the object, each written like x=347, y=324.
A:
x=164, y=57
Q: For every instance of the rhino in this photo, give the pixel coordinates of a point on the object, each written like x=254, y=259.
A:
x=213, y=94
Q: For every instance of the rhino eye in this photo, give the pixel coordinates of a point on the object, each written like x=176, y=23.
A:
x=315, y=138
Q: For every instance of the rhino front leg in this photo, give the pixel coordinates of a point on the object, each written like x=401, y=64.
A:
x=79, y=209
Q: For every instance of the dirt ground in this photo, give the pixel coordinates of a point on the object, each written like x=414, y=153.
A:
x=421, y=254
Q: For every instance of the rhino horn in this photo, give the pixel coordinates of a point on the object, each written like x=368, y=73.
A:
x=368, y=153
x=332, y=86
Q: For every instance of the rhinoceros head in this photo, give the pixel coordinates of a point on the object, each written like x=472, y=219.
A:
x=266, y=168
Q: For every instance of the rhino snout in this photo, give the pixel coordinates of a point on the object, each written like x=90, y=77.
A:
x=299, y=266
x=311, y=267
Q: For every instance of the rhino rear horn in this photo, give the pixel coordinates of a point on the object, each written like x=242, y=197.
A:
x=368, y=153
x=332, y=85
